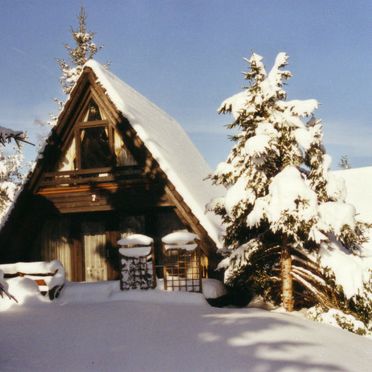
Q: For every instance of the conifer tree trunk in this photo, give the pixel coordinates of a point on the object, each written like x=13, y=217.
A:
x=287, y=281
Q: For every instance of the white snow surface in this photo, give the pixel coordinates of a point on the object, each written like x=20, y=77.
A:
x=358, y=182
x=135, y=252
x=286, y=188
x=236, y=194
x=257, y=145
x=135, y=239
x=179, y=237
x=213, y=288
x=168, y=144
x=350, y=270
x=95, y=327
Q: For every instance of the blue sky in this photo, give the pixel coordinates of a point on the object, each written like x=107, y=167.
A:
x=187, y=57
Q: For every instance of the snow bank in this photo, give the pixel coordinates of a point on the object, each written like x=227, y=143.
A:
x=213, y=288
x=133, y=335
x=351, y=271
x=335, y=215
x=358, y=182
x=40, y=267
x=339, y=319
x=98, y=292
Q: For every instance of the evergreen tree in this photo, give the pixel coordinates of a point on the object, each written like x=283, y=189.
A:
x=344, y=162
x=84, y=49
x=11, y=177
x=282, y=206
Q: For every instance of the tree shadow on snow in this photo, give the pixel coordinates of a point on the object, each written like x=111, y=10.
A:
x=251, y=340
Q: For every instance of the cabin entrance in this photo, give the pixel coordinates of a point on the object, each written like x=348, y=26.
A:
x=95, y=251
x=86, y=243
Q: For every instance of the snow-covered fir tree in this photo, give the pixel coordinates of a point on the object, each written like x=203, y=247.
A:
x=83, y=50
x=344, y=162
x=11, y=177
x=283, y=211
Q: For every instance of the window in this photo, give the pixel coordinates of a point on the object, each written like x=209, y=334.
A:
x=95, y=144
x=95, y=149
x=93, y=112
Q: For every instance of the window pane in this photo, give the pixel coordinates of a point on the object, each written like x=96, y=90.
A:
x=93, y=113
x=123, y=156
x=68, y=162
x=95, y=148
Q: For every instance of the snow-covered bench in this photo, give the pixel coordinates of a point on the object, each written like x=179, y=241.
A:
x=137, y=269
x=49, y=276
x=182, y=270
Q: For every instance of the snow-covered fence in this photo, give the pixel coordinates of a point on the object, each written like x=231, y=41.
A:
x=137, y=269
x=49, y=276
x=182, y=269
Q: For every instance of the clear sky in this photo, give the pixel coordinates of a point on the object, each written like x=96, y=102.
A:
x=187, y=57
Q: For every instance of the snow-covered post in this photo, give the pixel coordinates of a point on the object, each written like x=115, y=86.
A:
x=281, y=204
x=182, y=270
x=137, y=262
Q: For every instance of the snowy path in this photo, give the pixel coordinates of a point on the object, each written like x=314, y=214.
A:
x=140, y=334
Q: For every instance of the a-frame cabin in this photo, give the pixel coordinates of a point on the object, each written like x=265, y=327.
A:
x=114, y=163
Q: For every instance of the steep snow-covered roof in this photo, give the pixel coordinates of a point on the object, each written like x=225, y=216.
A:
x=169, y=145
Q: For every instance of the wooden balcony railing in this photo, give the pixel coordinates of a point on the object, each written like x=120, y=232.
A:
x=89, y=176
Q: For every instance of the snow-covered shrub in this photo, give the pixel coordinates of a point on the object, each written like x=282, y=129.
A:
x=52, y=275
x=338, y=318
x=213, y=288
x=286, y=219
x=4, y=288
x=11, y=177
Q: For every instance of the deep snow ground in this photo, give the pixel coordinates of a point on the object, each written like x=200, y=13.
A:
x=153, y=331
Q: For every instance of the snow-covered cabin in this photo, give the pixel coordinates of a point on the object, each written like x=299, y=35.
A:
x=114, y=163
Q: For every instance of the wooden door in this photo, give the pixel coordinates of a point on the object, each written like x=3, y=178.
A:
x=56, y=244
x=94, y=244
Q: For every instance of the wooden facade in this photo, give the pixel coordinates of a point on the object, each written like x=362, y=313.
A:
x=95, y=181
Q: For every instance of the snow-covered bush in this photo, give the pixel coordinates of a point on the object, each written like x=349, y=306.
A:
x=11, y=177
x=338, y=318
x=285, y=214
x=4, y=288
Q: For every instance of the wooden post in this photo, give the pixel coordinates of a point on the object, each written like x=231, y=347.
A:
x=287, y=281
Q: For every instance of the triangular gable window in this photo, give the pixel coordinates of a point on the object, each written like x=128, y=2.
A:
x=95, y=149
x=93, y=113
x=95, y=143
